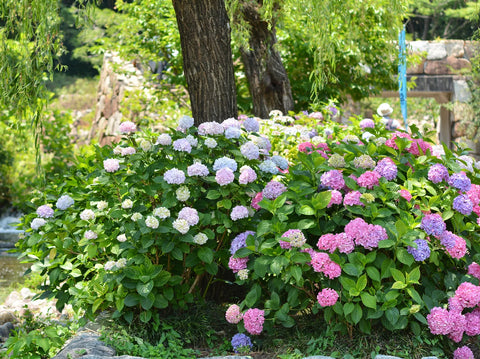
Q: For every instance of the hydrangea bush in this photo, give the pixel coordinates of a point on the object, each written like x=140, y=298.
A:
x=146, y=224
x=370, y=228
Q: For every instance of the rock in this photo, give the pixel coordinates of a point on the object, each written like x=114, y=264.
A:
x=461, y=91
x=418, y=47
x=440, y=67
x=26, y=293
x=5, y=330
x=436, y=51
x=6, y=317
x=417, y=69
x=318, y=357
x=455, y=48
x=458, y=64
x=84, y=344
x=380, y=356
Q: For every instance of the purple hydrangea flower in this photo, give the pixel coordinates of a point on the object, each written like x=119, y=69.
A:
x=241, y=343
x=64, y=202
x=433, y=224
x=174, y=176
x=239, y=212
x=251, y=125
x=224, y=176
x=438, y=173
x=387, y=169
x=463, y=204
x=281, y=162
x=250, y=150
x=448, y=239
x=223, y=162
x=182, y=145
x=197, y=169
x=460, y=181
x=240, y=241
x=45, y=211
x=273, y=189
x=333, y=179
x=367, y=123
x=422, y=251
x=189, y=214
x=268, y=166
x=233, y=132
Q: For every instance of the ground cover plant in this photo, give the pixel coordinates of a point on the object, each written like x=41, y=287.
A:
x=361, y=226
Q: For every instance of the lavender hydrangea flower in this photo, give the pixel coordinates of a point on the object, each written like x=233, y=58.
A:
x=281, y=162
x=231, y=122
x=239, y=212
x=111, y=165
x=224, y=176
x=197, y=169
x=433, y=224
x=367, y=123
x=268, y=166
x=273, y=189
x=387, y=169
x=240, y=241
x=174, y=176
x=438, y=173
x=182, y=145
x=64, y=202
x=190, y=215
x=45, y=211
x=223, y=162
x=251, y=125
x=422, y=251
x=250, y=150
x=192, y=140
x=185, y=122
x=448, y=239
x=164, y=139
x=126, y=151
x=241, y=343
x=463, y=204
x=210, y=128
x=460, y=181
x=233, y=133
x=333, y=179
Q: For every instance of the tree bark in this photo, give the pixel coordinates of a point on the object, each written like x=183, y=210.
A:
x=268, y=81
x=207, y=58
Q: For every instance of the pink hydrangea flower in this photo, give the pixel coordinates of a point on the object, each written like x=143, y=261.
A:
x=327, y=297
x=224, y=176
x=391, y=141
x=459, y=250
x=322, y=263
x=327, y=242
x=474, y=270
x=458, y=326
x=406, y=194
x=258, y=197
x=335, y=199
x=468, y=294
x=253, y=320
x=190, y=215
x=127, y=127
x=472, y=323
x=333, y=179
x=419, y=146
x=306, y=147
x=370, y=238
x=345, y=243
x=295, y=237
x=352, y=199
x=247, y=175
x=463, y=353
x=368, y=179
x=439, y=321
x=236, y=264
x=233, y=314
x=356, y=227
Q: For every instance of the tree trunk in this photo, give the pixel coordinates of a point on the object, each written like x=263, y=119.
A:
x=268, y=81
x=207, y=58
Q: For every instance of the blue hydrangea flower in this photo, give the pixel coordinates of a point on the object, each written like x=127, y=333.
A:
x=268, y=166
x=182, y=145
x=422, y=251
x=223, y=162
x=438, y=173
x=463, y=204
x=460, y=181
x=281, y=162
x=185, y=122
x=64, y=202
x=250, y=150
x=241, y=343
x=251, y=125
x=240, y=241
x=233, y=132
x=433, y=224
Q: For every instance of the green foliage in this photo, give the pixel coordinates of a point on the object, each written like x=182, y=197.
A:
x=160, y=264
x=169, y=345
x=38, y=338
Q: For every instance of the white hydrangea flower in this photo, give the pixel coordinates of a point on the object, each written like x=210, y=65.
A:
x=181, y=225
x=151, y=222
x=146, y=145
x=122, y=262
x=183, y=194
x=210, y=142
x=121, y=238
x=101, y=205
x=136, y=216
x=127, y=204
x=161, y=212
x=87, y=215
x=109, y=265
x=200, y=239
x=242, y=274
